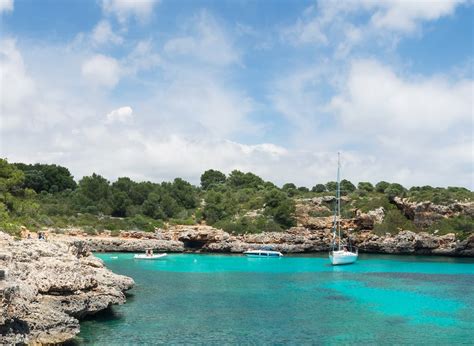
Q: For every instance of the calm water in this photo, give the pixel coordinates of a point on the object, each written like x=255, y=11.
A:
x=291, y=300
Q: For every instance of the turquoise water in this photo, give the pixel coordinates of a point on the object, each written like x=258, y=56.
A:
x=211, y=299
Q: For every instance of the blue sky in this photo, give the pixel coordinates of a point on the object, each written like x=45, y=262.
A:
x=159, y=89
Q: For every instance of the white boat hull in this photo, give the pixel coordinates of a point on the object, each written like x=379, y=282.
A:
x=342, y=257
x=263, y=253
x=150, y=257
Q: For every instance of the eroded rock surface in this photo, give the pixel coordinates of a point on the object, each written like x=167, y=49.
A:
x=296, y=239
x=48, y=286
x=424, y=214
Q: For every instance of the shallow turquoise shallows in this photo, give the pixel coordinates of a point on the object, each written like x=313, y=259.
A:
x=222, y=299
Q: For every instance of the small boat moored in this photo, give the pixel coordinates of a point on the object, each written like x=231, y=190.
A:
x=343, y=256
x=263, y=252
x=340, y=253
x=149, y=255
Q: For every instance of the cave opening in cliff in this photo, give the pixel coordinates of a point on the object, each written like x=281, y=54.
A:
x=194, y=244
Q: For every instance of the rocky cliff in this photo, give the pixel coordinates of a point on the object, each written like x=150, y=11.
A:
x=426, y=213
x=295, y=240
x=46, y=287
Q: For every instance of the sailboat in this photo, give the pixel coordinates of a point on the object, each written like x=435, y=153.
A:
x=340, y=253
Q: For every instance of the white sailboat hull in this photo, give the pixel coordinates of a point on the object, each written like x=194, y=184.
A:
x=342, y=257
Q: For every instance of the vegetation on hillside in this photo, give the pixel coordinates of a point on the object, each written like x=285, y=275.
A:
x=43, y=195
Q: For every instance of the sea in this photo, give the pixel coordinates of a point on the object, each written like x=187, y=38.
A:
x=292, y=300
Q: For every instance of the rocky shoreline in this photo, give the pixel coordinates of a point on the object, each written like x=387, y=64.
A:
x=295, y=240
x=47, y=287
x=312, y=233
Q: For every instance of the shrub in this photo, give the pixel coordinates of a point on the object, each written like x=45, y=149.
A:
x=393, y=222
x=460, y=225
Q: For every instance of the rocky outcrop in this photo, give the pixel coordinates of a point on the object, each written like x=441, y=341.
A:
x=114, y=244
x=315, y=213
x=297, y=239
x=424, y=214
x=49, y=286
x=407, y=242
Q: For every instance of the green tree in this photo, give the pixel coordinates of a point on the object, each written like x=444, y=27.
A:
x=211, y=178
x=94, y=187
x=395, y=190
x=45, y=177
x=219, y=206
x=318, y=188
x=11, y=178
x=290, y=189
x=331, y=186
x=139, y=192
x=347, y=186
x=183, y=193
x=152, y=206
x=381, y=186
x=365, y=186
x=280, y=207
x=119, y=203
x=238, y=179
x=170, y=206
x=288, y=186
x=124, y=184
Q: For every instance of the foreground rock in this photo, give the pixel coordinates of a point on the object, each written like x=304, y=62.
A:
x=49, y=286
x=201, y=238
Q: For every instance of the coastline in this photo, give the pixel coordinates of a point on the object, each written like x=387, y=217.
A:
x=206, y=239
x=46, y=287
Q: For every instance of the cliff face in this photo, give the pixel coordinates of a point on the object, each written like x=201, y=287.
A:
x=48, y=286
x=309, y=214
x=424, y=214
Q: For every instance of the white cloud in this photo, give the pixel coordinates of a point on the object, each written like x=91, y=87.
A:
x=101, y=71
x=188, y=116
x=6, y=6
x=103, y=34
x=206, y=41
x=296, y=97
x=404, y=16
x=122, y=114
x=376, y=99
x=16, y=87
x=416, y=130
x=124, y=9
x=142, y=58
x=329, y=22
x=33, y=105
x=194, y=102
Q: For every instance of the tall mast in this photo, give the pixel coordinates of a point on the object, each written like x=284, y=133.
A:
x=338, y=199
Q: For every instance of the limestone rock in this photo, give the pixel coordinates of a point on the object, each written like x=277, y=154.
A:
x=49, y=286
x=201, y=238
x=424, y=214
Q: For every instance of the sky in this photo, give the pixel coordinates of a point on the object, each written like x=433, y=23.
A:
x=160, y=89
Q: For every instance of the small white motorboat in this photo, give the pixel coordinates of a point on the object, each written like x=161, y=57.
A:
x=149, y=255
x=264, y=252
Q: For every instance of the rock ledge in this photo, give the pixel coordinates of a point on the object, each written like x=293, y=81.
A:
x=49, y=286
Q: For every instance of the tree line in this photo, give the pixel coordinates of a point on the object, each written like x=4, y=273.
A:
x=239, y=202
